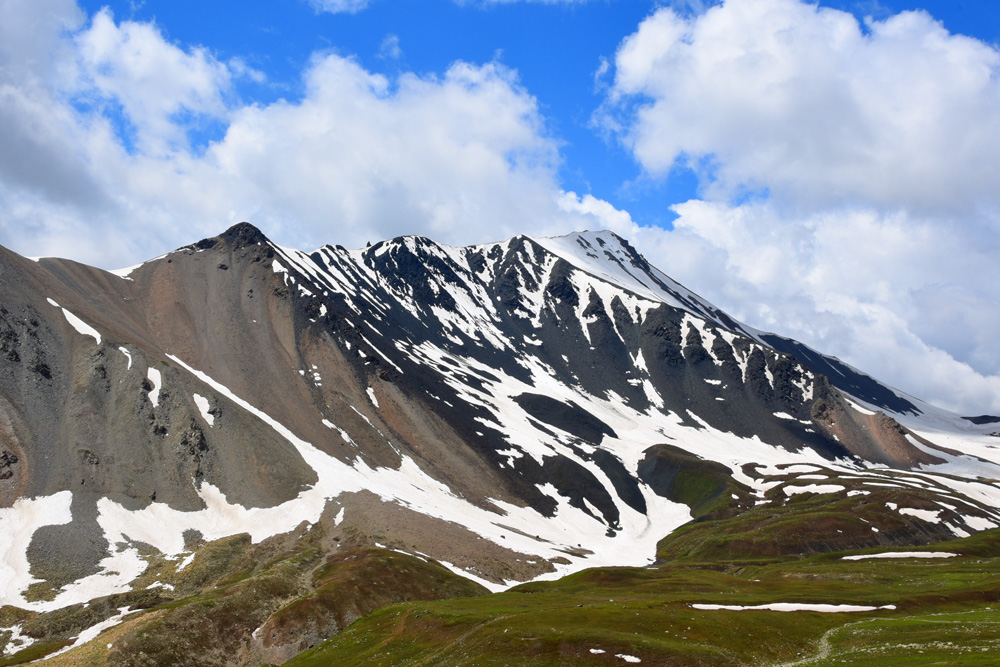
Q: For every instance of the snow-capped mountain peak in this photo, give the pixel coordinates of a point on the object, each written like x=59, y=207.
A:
x=517, y=409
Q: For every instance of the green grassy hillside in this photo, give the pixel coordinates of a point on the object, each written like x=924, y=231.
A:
x=947, y=611
x=238, y=603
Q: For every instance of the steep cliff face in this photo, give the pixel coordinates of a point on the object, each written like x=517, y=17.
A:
x=503, y=408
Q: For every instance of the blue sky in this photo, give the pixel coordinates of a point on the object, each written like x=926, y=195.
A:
x=827, y=171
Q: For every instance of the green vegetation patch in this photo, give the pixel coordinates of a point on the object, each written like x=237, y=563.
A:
x=33, y=652
x=962, y=638
x=706, y=487
x=804, y=524
x=594, y=615
x=355, y=583
x=212, y=626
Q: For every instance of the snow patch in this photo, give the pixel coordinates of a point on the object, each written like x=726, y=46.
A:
x=371, y=397
x=78, y=324
x=17, y=641
x=488, y=585
x=18, y=524
x=126, y=272
x=91, y=633
x=930, y=516
x=978, y=523
x=187, y=561
x=154, y=393
x=160, y=584
x=957, y=531
x=799, y=468
x=793, y=606
x=862, y=410
x=812, y=488
x=203, y=407
x=118, y=570
x=904, y=554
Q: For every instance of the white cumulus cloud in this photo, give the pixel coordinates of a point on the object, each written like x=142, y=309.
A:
x=815, y=107
x=339, y=6
x=154, y=82
x=850, y=179
x=101, y=165
x=389, y=49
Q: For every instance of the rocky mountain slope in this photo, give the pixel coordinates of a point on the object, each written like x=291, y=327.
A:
x=512, y=412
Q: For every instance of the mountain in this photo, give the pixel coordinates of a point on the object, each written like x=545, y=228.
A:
x=290, y=426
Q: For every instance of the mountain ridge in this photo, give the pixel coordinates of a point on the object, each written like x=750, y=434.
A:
x=506, y=409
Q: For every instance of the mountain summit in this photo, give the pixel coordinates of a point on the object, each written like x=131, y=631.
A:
x=512, y=411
